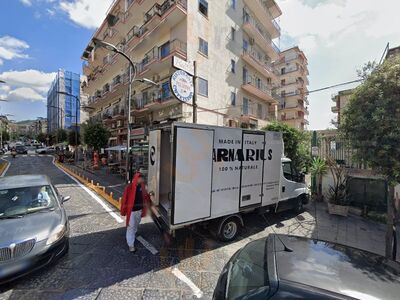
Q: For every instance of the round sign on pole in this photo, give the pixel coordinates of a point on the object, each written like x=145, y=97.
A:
x=182, y=86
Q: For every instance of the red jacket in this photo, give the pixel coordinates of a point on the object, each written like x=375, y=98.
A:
x=128, y=199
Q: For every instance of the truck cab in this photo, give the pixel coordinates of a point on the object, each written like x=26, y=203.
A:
x=293, y=191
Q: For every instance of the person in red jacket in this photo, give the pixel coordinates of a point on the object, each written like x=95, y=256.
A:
x=135, y=202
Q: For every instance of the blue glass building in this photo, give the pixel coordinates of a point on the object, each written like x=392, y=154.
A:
x=63, y=110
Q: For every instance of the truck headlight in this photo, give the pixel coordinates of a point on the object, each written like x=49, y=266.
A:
x=57, y=234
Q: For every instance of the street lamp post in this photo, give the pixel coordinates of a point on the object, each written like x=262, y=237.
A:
x=132, y=78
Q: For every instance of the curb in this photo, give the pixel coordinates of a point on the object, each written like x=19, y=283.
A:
x=3, y=166
x=97, y=188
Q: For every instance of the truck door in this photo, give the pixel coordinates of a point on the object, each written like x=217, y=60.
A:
x=252, y=169
x=193, y=174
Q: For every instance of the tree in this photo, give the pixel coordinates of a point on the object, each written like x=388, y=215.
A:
x=297, y=144
x=95, y=135
x=5, y=135
x=61, y=135
x=71, y=137
x=318, y=169
x=41, y=137
x=371, y=124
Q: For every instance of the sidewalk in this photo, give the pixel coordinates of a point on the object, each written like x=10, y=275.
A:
x=114, y=183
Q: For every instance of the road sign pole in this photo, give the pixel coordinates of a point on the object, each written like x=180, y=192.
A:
x=194, y=102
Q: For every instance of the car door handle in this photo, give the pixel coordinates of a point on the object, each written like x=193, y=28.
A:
x=283, y=189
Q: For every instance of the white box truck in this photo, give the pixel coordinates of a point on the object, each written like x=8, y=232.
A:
x=200, y=173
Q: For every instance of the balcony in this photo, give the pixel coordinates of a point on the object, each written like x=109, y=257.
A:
x=335, y=109
x=262, y=13
x=251, y=113
x=260, y=36
x=157, y=22
x=258, y=88
x=253, y=58
x=153, y=100
x=160, y=58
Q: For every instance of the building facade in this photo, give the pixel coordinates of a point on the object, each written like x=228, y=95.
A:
x=293, y=76
x=341, y=99
x=231, y=42
x=63, y=111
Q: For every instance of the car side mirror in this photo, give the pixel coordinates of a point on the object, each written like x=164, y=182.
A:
x=65, y=198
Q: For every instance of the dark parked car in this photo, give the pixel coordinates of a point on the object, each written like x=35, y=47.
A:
x=21, y=149
x=302, y=268
x=34, y=227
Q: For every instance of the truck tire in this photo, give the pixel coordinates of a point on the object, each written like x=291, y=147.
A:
x=299, y=205
x=229, y=229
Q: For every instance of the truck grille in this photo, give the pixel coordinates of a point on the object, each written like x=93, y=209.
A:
x=16, y=250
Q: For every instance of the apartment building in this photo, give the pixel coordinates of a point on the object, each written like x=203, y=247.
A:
x=293, y=76
x=341, y=99
x=231, y=42
x=63, y=110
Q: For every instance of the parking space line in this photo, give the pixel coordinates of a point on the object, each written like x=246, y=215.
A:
x=94, y=196
x=147, y=245
x=5, y=156
x=196, y=291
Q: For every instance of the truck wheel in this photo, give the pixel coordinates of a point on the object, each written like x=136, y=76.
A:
x=298, y=208
x=229, y=230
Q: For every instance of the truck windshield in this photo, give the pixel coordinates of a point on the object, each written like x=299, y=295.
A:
x=248, y=272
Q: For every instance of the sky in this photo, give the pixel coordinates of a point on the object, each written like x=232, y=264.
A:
x=37, y=37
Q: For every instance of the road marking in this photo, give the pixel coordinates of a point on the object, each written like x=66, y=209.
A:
x=5, y=156
x=6, y=169
x=94, y=196
x=148, y=246
x=196, y=291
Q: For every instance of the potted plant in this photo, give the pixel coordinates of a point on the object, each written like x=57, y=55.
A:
x=318, y=169
x=338, y=193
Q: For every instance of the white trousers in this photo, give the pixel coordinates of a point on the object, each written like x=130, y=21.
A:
x=132, y=228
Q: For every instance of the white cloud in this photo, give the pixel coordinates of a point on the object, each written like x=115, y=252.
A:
x=26, y=2
x=86, y=13
x=337, y=36
x=25, y=85
x=11, y=47
x=24, y=93
x=50, y=12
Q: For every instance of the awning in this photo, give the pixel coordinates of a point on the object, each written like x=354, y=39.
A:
x=116, y=148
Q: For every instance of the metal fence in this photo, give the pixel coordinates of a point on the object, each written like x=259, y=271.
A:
x=368, y=192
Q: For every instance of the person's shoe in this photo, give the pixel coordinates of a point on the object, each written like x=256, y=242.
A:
x=132, y=249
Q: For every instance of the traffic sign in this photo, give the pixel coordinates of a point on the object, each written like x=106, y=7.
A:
x=184, y=65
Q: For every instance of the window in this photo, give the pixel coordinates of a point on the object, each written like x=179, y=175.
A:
x=165, y=50
x=233, y=98
x=165, y=91
x=283, y=71
x=287, y=170
x=245, y=106
x=233, y=4
x=203, y=46
x=245, y=45
x=232, y=66
x=203, y=87
x=233, y=30
x=203, y=7
x=283, y=81
x=259, y=111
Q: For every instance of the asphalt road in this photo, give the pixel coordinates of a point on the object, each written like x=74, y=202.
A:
x=99, y=266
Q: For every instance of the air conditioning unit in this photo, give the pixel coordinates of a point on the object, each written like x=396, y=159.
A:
x=251, y=41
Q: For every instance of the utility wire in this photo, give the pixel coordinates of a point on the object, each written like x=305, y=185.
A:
x=333, y=86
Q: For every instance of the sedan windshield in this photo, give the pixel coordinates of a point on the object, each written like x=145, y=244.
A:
x=248, y=272
x=20, y=201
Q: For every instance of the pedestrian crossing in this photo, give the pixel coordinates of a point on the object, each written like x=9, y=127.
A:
x=29, y=155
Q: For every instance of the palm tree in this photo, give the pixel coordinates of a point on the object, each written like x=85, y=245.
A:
x=318, y=169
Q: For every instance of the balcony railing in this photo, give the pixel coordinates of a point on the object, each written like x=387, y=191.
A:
x=248, y=19
x=257, y=83
x=158, y=53
x=254, y=111
x=266, y=9
x=156, y=10
x=258, y=58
